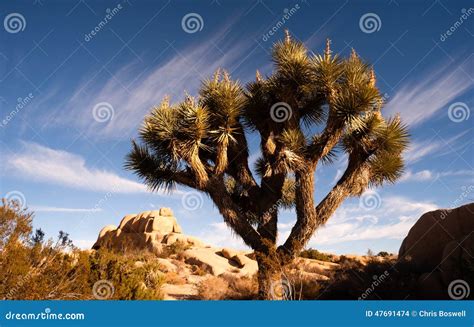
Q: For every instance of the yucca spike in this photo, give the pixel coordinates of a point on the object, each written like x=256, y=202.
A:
x=226, y=76
x=372, y=78
x=327, y=51
x=188, y=98
x=166, y=101
x=217, y=74
x=397, y=117
x=287, y=36
x=353, y=54
x=258, y=77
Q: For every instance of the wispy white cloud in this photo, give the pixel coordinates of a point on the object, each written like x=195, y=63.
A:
x=392, y=220
x=131, y=97
x=419, y=149
x=429, y=175
x=423, y=175
x=63, y=210
x=419, y=100
x=40, y=163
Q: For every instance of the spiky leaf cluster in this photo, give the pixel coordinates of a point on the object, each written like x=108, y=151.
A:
x=202, y=137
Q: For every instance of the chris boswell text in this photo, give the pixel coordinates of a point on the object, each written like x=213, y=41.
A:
x=416, y=313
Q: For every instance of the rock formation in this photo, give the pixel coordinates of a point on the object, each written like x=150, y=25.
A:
x=440, y=248
x=149, y=229
x=154, y=230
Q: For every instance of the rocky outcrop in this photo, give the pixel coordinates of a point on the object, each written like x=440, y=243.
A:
x=217, y=262
x=196, y=261
x=424, y=246
x=440, y=248
x=149, y=229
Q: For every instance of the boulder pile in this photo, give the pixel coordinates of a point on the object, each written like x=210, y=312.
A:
x=440, y=249
x=147, y=230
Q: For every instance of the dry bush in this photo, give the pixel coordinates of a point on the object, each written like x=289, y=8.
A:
x=172, y=277
x=376, y=280
x=242, y=288
x=174, y=250
x=34, y=269
x=213, y=288
x=302, y=286
x=197, y=270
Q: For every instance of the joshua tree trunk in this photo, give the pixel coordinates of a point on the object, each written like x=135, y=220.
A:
x=269, y=279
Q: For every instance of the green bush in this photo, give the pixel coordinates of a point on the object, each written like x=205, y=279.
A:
x=315, y=254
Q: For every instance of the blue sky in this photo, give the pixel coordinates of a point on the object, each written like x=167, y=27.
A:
x=71, y=101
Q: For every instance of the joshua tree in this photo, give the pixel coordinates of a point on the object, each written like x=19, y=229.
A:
x=310, y=107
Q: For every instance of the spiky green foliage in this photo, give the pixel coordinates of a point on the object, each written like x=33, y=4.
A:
x=201, y=143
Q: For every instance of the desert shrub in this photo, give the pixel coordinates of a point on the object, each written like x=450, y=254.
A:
x=213, y=288
x=175, y=250
x=32, y=268
x=374, y=281
x=241, y=288
x=129, y=281
x=302, y=286
x=172, y=277
x=383, y=254
x=197, y=270
x=315, y=254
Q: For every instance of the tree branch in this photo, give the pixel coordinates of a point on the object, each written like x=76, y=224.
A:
x=309, y=218
x=234, y=215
